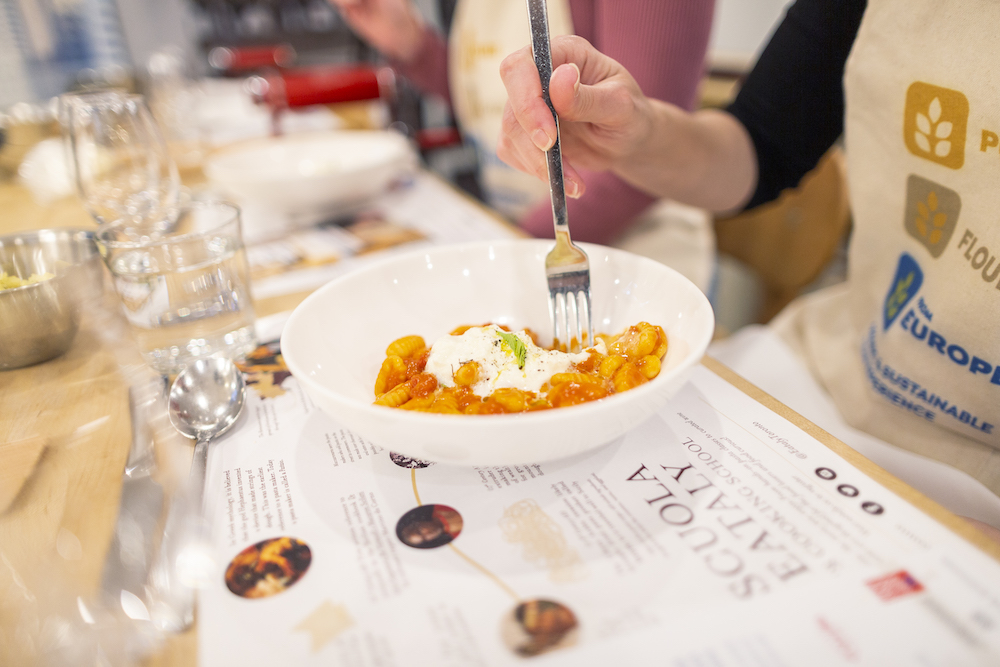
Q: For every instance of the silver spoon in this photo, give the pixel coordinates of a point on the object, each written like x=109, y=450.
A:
x=205, y=400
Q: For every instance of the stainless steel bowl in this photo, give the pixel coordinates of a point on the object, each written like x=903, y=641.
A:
x=38, y=322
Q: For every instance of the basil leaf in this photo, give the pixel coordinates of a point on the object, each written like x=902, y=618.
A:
x=516, y=346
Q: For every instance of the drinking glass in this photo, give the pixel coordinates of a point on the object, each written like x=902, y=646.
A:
x=120, y=161
x=173, y=98
x=185, y=289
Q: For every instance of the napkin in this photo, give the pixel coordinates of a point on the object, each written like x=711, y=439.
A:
x=45, y=171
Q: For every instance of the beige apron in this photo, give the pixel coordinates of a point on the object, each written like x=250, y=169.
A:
x=483, y=33
x=909, y=347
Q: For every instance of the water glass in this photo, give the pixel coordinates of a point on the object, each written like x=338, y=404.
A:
x=118, y=157
x=184, y=288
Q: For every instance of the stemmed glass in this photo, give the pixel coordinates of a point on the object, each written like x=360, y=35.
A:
x=119, y=158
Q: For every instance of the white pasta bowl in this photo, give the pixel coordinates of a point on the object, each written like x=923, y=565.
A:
x=334, y=344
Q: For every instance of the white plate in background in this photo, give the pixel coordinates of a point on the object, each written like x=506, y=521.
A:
x=303, y=178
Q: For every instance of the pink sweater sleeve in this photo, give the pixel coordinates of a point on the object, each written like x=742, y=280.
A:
x=663, y=44
x=429, y=70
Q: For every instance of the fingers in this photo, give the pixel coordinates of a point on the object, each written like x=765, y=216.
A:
x=575, y=62
x=576, y=90
x=575, y=187
x=524, y=98
x=518, y=150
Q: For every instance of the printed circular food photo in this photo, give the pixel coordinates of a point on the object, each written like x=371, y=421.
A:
x=429, y=526
x=268, y=567
x=404, y=461
x=539, y=626
x=355, y=341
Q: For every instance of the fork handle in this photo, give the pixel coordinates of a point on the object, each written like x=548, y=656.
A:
x=539, y=20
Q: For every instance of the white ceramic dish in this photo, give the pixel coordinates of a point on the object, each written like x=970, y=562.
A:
x=334, y=344
x=305, y=174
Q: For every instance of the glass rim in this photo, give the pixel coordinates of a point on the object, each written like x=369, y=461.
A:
x=100, y=235
x=105, y=98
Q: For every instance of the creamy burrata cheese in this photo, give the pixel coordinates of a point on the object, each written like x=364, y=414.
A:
x=498, y=363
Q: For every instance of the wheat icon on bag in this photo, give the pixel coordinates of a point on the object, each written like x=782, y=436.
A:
x=930, y=221
x=933, y=135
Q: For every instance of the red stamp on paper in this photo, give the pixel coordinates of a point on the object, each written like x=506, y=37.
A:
x=895, y=585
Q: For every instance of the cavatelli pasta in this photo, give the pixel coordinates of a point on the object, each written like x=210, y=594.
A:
x=512, y=400
x=649, y=366
x=637, y=341
x=467, y=374
x=395, y=397
x=392, y=373
x=609, y=365
x=627, y=377
x=633, y=358
x=407, y=346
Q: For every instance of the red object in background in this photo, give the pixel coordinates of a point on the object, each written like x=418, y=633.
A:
x=330, y=85
x=295, y=88
x=431, y=138
x=236, y=59
x=282, y=89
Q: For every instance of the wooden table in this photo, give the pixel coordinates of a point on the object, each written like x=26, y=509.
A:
x=64, y=437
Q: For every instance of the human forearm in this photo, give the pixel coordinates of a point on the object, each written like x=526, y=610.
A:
x=704, y=159
x=662, y=44
x=394, y=27
x=428, y=66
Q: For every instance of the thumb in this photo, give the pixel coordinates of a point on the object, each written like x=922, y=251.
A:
x=564, y=86
x=605, y=102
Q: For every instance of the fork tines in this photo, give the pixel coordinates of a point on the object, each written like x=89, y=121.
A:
x=569, y=308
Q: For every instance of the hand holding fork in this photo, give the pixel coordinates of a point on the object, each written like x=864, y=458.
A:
x=567, y=268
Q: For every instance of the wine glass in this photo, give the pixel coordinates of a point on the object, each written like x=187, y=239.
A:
x=119, y=158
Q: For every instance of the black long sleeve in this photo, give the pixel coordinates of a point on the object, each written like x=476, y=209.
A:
x=792, y=102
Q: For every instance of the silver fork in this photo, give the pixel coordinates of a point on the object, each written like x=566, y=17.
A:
x=566, y=266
